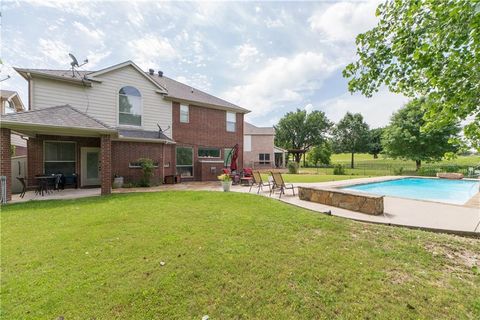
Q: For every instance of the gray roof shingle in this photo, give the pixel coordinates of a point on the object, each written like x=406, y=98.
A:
x=59, y=116
x=251, y=129
x=142, y=134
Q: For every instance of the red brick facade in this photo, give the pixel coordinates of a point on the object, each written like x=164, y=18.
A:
x=206, y=128
x=124, y=152
x=5, y=160
x=106, y=165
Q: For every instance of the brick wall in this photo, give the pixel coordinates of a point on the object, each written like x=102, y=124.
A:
x=35, y=152
x=206, y=128
x=106, y=165
x=125, y=152
x=5, y=160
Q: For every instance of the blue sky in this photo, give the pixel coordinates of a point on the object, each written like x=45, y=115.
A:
x=269, y=57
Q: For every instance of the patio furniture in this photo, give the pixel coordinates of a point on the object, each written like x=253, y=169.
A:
x=279, y=183
x=473, y=172
x=257, y=180
x=24, y=186
x=44, y=182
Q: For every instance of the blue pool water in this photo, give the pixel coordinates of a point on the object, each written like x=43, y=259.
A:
x=441, y=190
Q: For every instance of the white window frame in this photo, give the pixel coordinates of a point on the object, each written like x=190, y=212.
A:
x=234, y=121
x=269, y=161
x=183, y=111
x=247, y=143
x=60, y=141
x=118, y=107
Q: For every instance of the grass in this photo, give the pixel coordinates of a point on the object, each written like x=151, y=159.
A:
x=367, y=166
x=228, y=255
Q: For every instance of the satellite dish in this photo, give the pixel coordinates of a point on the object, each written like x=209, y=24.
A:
x=74, y=62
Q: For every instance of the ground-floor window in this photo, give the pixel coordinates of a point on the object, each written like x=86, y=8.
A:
x=208, y=152
x=60, y=157
x=184, y=157
x=264, y=158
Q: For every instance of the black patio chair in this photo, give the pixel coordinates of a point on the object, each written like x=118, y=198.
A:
x=24, y=186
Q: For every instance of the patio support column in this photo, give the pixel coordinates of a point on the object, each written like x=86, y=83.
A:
x=5, y=160
x=106, y=166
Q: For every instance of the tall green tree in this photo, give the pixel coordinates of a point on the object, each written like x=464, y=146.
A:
x=298, y=131
x=351, y=135
x=320, y=154
x=427, y=48
x=375, y=142
x=405, y=139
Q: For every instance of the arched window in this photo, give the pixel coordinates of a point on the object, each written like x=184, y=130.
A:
x=129, y=106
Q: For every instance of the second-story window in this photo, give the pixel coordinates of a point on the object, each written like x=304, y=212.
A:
x=129, y=106
x=184, y=113
x=231, y=121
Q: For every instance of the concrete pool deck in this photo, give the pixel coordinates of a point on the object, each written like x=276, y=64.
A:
x=462, y=219
x=403, y=212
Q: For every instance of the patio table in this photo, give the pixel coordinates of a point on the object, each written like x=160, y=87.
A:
x=43, y=184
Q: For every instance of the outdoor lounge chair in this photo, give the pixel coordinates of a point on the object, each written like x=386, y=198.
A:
x=279, y=183
x=24, y=186
x=257, y=180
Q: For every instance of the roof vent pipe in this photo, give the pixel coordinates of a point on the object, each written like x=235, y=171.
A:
x=151, y=72
x=160, y=73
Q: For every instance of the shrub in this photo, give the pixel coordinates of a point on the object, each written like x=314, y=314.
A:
x=293, y=167
x=338, y=169
x=398, y=171
x=147, y=170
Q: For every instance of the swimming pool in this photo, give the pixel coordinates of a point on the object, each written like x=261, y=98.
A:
x=441, y=190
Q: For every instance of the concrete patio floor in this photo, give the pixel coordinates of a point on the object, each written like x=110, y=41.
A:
x=398, y=211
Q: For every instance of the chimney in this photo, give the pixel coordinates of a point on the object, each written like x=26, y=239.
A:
x=160, y=73
x=151, y=72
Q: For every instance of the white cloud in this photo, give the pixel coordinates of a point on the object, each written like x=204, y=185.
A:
x=282, y=81
x=343, y=21
x=246, y=54
x=96, y=35
x=308, y=108
x=151, y=50
x=55, y=50
x=376, y=110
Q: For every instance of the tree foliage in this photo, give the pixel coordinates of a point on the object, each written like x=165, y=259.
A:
x=298, y=131
x=404, y=139
x=320, y=154
x=375, y=142
x=351, y=135
x=428, y=48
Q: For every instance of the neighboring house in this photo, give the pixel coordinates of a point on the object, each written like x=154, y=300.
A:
x=11, y=103
x=259, y=148
x=97, y=124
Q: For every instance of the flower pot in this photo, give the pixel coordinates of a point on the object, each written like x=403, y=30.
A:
x=226, y=185
x=117, y=182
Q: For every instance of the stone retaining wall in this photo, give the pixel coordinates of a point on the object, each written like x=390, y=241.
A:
x=369, y=204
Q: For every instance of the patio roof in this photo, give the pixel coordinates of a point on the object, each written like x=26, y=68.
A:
x=63, y=119
x=143, y=135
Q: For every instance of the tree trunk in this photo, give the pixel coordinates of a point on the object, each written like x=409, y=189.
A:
x=352, y=163
x=297, y=157
x=375, y=156
x=418, y=164
x=304, y=158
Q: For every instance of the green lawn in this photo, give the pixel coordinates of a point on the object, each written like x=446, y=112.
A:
x=228, y=255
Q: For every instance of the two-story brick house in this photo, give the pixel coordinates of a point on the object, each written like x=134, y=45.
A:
x=97, y=124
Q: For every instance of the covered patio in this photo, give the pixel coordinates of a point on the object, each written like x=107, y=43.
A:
x=61, y=140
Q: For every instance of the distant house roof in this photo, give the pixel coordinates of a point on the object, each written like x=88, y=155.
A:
x=250, y=129
x=12, y=96
x=173, y=90
x=60, y=116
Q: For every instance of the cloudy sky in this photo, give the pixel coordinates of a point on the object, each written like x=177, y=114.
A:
x=269, y=57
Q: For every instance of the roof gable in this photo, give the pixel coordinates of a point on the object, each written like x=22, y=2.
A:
x=123, y=65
